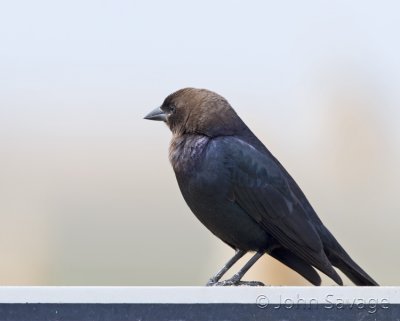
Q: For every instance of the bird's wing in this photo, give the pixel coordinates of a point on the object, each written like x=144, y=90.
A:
x=262, y=190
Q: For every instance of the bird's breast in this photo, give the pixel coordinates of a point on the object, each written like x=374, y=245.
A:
x=201, y=175
x=205, y=182
x=185, y=152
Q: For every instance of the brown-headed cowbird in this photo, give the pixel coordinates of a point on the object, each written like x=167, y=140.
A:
x=243, y=195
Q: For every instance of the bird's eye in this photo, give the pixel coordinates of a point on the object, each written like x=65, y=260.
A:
x=171, y=109
x=168, y=109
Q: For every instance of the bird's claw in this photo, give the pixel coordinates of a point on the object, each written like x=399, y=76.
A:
x=211, y=282
x=250, y=283
x=233, y=282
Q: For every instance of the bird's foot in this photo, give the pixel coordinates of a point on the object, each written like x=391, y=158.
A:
x=238, y=283
x=234, y=281
x=211, y=282
x=250, y=283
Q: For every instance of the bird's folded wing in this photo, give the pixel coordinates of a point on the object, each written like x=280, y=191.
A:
x=262, y=190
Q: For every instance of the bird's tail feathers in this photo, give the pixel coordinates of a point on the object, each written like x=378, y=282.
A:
x=331, y=272
x=297, y=264
x=352, y=270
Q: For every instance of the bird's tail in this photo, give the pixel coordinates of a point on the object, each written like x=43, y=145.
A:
x=297, y=264
x=340, y=259
x=352, y=270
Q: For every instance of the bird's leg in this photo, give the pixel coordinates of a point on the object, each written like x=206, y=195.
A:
x=235, y=280
x=239, y=254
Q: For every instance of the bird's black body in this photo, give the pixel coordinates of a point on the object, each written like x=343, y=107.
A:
x=204, y=178
x=242, y=194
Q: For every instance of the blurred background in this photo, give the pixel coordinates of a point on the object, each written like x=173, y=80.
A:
x=87, y=195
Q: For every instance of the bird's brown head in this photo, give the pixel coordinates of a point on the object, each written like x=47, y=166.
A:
x=198, y=111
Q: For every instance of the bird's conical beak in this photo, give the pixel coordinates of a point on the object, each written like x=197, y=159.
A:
x=156, y=114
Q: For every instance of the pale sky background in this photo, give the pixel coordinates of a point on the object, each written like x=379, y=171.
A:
x=87, y=195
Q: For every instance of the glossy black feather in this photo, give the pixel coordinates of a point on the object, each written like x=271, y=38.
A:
x=263, y=192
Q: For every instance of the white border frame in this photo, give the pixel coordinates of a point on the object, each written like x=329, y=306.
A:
x=266, y=295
